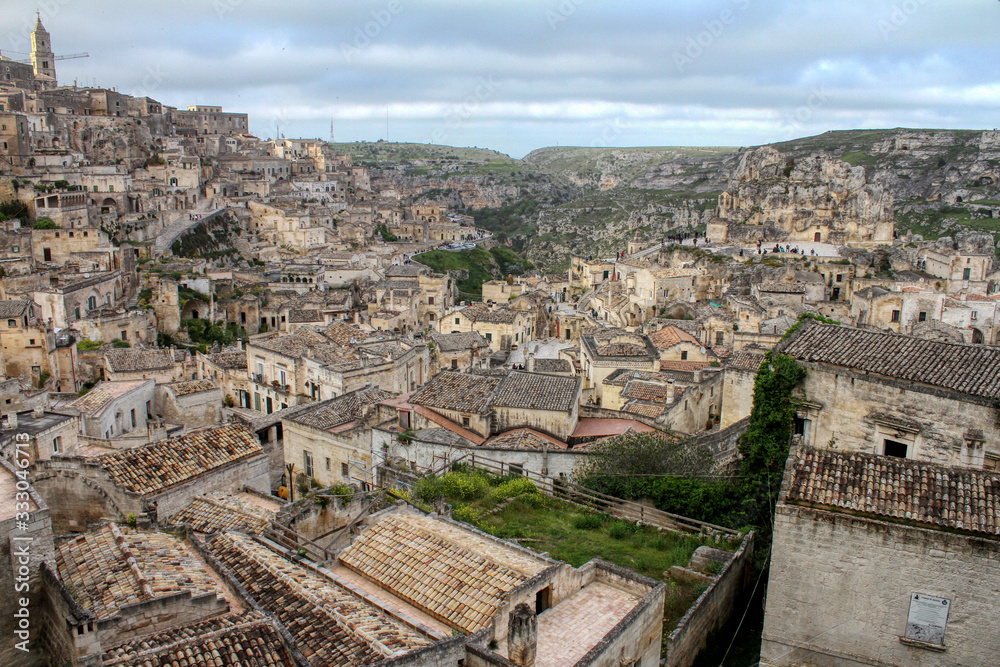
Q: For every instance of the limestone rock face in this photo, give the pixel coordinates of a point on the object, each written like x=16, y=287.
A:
x=818, y=194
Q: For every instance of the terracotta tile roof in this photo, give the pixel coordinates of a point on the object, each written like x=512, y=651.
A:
x=448, y=425
x=330, y=624
x=103, y=393
x=235, y=359
x=669, y=336
x=481, y=312
x=746, y=360
x=233, y=640
x=457, y=391
x=132, y=360
x=622, y=376
x=525, y=439
x=553, y=366
x=645, y=391
x=110, y=568
x=968, y=369
x=335, y=412
x=223, y=511
x=683, y=366
x=458, y=342
x=13, y=308
x=160, y=465
x=301, y=316
x=453, y=584
x=949, y=497
x=644, y=409
x=532, y=391
x=189, y=387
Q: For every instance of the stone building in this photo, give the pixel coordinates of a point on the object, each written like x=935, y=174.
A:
x=392, y=600
x=151, y=481
x=889, y=394
x=738, y=377
x=115, y=409
x=605, y=351
x=882, y=561
x=459, y=351
x=190, y=403
x=48, y=434
x=487, y=405
x=28, y=346
x=157, y=364
x=330, y=441
x=502, y=327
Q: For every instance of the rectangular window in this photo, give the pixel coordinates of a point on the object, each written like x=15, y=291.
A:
x=895, y=448
x=256, y=401
x=720, y=337
x=328, y=463
x=895, y=316
x=133, y=417
x=344, y=472
x=465, y=422
x=489, y=337
x=922, y=316
x=430, y=301
x=966, y=274
x=684, y=356
x=974, y=315
x=840, y=277
x=57, y=444
x=454, y=363
x=456, y=321
x=307, y=462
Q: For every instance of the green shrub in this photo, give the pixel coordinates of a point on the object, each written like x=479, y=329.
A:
x=588, y=522
x=621, y=530
x=465, y=513
x=342, y=491
x=45, y=223
x=463, y=487
x=513, y=487
x=119, y=344
x=86, y=345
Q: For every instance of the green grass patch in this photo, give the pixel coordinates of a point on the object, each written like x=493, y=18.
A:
x=477, y=262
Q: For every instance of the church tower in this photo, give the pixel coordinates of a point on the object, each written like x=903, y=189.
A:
x=42, y=58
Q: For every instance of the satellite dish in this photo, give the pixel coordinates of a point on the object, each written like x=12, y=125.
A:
x=703, y=349
x=86, y=275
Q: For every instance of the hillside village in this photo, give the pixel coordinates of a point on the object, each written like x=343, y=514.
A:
x=230, y=365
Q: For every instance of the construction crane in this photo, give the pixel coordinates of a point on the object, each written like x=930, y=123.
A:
x=27, y=61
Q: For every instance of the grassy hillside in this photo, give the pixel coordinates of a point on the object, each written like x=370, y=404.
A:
x=393, y=153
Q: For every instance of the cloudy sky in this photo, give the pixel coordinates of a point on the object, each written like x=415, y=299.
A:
x=515, y=75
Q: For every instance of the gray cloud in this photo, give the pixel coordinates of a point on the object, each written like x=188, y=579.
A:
x=722, y=72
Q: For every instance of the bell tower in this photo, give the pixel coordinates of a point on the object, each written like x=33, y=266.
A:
x=42, y=58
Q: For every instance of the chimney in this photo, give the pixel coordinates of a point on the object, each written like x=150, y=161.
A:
x=697, y=375
x=531, y=362
x=670, y=391
x=522, y=636
x=38, y=412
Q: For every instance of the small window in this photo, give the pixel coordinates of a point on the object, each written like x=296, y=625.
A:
x=307, y=462
x=328, y=464
x=57, y=444
x=489, y=337
x=895, y=316
x=922, y=317
x=974, y=315
x=12, y=323
x=840, y=277
x=344, y=471
x=454, y=363
x=894, y=448
x=456, y=321
x=430, y=301
x=684, y=355
x=720, y=337
x=465, y=421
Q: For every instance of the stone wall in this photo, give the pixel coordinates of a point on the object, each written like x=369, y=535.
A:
x=937, y=418
x=80, y=493
x=711, y=610
x=253, y=473
x=193, y=410
x=840, y=588
x=737, y=394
